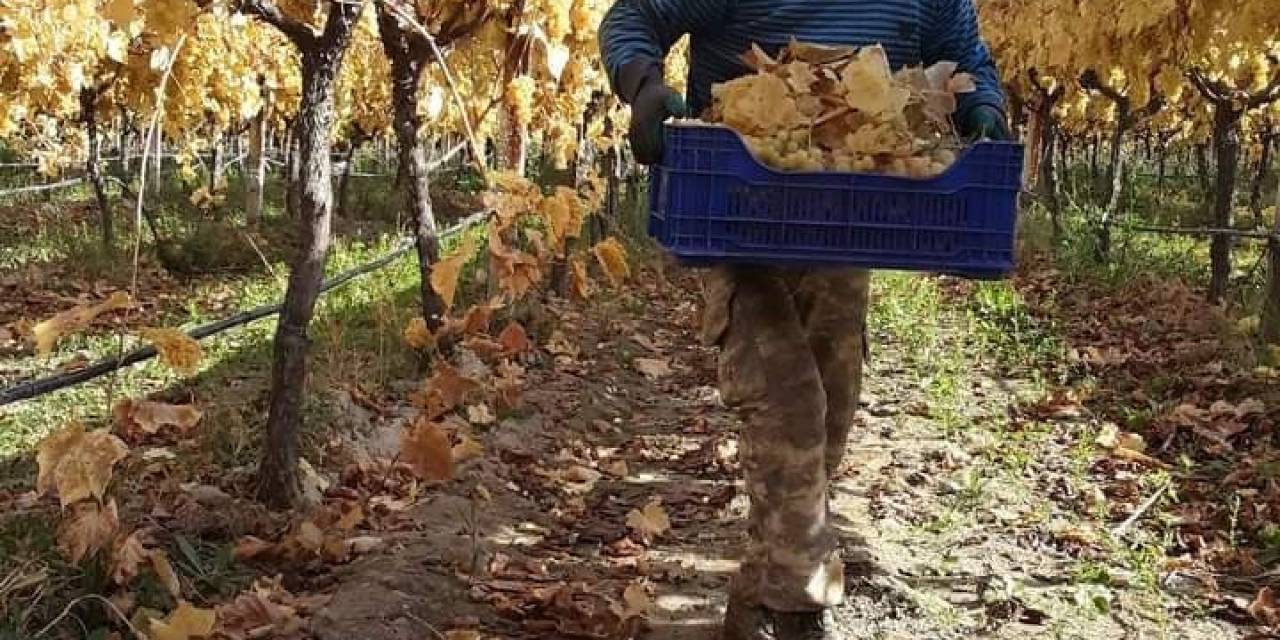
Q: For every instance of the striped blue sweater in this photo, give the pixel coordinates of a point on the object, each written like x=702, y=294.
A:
x=911, y=31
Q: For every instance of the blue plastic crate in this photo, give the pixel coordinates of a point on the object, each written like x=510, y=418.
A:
x=712, y=202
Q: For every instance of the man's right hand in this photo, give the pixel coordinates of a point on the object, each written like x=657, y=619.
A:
x=652, y=107
x=652, y=103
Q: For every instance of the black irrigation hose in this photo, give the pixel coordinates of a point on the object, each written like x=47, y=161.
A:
x=42, y=386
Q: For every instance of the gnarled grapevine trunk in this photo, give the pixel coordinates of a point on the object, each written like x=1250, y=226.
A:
x=256, y=163
x=217, y=163
x=1270, y=326
x=89, y=116
x=1226, y=148
x=1268, y=138
x=347, y=166
x=407, y=64
x=293, y=168
x=322, y=57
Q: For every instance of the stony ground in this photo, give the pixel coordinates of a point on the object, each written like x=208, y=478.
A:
x=962, y=514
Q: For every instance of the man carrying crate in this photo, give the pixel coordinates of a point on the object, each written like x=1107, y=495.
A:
x=792, y=340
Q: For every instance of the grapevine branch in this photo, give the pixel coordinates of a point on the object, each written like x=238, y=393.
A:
x=302, y=35
x=422, y=32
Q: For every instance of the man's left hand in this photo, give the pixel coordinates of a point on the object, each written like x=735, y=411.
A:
x=984, y=121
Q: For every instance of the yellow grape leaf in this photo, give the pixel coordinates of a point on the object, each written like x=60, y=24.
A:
x=868, y=84
x=613, y=260
x=150, y=417
x=88, y=527
x=514, y=339
x=77, y=463
x=177, y=350
x=463, y=634
x=204, y=198
x=757, y=104
x=579, y=283
x=650, y=522
x=446, y=272
x=466, y=449
x=516, y=270
x=164, y=571
x=417, y=335
x=126, y=557
x=47, y=333
x=185, y=623
x=564, y=213
x=119, y=12
x=426, y=449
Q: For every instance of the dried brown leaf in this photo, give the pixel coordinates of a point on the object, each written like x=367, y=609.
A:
x=427, y=450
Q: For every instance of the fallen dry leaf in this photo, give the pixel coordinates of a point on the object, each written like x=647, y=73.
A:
x=361, y=545
x=652, y=367
x=1266, y=607
x=205, y=494
x=514, y=339
x=309, y=536
x=426, y=449
x=48, y=332
x=127, y=555
x=445, y=390
x=635, y=602
x=351, y=518
x=77, y=463
x=253, y=615
x=466, y=449
x=185, y=623
x=149, y=417
x=650, y=522
x=88, y=528
x=250, y=547
x=164, y=571
x=480, y=414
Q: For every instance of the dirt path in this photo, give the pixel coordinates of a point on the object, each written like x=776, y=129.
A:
x=960, y=517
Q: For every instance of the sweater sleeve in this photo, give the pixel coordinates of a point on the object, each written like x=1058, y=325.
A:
x=645, y=30
x=954, y=36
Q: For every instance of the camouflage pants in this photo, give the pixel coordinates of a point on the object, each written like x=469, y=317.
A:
x=791, y=364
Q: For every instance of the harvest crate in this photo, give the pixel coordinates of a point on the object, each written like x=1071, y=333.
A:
x=712, y=202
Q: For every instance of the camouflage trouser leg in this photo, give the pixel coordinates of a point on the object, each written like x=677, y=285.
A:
x=791, y=364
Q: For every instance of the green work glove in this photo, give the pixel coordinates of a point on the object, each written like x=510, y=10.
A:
x=984, y=121
x=652, y=103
